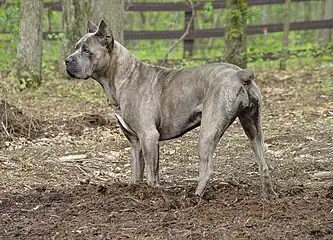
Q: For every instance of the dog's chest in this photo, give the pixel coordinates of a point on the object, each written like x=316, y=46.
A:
x=122, y=121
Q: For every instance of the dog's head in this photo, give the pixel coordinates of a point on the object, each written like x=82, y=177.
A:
x=92, y=52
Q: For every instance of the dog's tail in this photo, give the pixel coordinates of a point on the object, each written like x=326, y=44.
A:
x=245, y=75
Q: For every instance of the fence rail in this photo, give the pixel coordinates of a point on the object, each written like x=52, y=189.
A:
x=252, y=57
x=177, y=6
x=215, y=32
x=219, y=32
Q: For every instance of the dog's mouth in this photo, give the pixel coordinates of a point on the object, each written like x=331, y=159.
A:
x=74, y=76
x=70, y=74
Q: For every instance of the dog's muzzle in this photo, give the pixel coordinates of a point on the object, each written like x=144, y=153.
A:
x=70, y=74
x=68, y=62
x=71, y=67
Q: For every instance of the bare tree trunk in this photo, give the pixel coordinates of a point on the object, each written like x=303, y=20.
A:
x=29, y=49
x=235, y=38
x=319, y=11
x=265, y=16
x=188, y=26
x=328, y=14
x=285, y=40
x=215, y=22
x=75, y=17
x=307, y=11
x=112, y=11
x=143, y=18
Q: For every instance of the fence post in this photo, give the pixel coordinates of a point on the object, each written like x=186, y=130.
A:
x=285, y=40
x=188, y=43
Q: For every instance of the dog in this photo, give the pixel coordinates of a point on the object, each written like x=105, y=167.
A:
x=154, y=103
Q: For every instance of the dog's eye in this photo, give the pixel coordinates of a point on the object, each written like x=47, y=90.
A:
x=85, y=50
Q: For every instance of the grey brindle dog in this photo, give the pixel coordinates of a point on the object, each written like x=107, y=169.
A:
x=155, y=103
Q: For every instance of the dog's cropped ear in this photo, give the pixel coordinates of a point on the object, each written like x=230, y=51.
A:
x=91, y=28
x=104, y=33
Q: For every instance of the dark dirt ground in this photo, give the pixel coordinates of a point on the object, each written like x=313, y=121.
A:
x=67, y=179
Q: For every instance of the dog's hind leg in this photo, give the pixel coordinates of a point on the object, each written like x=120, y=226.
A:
x=250, y=120
x=215, y=120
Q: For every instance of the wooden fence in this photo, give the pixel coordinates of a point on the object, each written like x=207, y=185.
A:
x=199, y=33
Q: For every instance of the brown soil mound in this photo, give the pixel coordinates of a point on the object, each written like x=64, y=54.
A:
x=13, y=123
x=90, y=120
x=76, y=125
x=121, y=211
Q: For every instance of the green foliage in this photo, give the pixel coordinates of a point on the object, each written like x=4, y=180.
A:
x=155, y=50
x=235, y=19
x=9, y=17
x=208, y=8
x=29, y=79
x=187, y=63
x=52, y=21
x=258, y=45
x=51, y=57
x=327, y=85
x=9, y=26
x=18, y=81
x=9, y=29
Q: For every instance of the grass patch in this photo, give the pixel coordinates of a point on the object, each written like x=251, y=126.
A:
x=327, y=85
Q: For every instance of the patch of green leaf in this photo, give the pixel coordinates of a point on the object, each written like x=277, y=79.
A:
x=327, y=85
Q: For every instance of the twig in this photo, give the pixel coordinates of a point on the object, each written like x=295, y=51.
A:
x=91, y=176
x=136, y=200
x=29, y=129
x=6, y=116
x=187, y=31
x=37, y=154
x=83, y=170
x=327, y=222
x=4, y=128
x=31, y=210
x=73, y=158
x=190, y=209
x=127, y=6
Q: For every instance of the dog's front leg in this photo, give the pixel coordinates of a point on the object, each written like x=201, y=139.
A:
x=137, y=163
x=150, y=147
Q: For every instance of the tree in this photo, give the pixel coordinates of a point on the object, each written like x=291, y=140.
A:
x=112, y=11
x=216, y=20
x=29, y=49
x=285, y=40
x=328, y=14
x=308, y=10
x=235, y=37
x=75, y=17
x=319, y=9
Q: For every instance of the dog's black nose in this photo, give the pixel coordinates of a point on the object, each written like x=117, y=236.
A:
x=68, y=61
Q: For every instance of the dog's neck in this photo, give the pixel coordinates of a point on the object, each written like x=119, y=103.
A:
x=116, y=72
x=119, y=71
